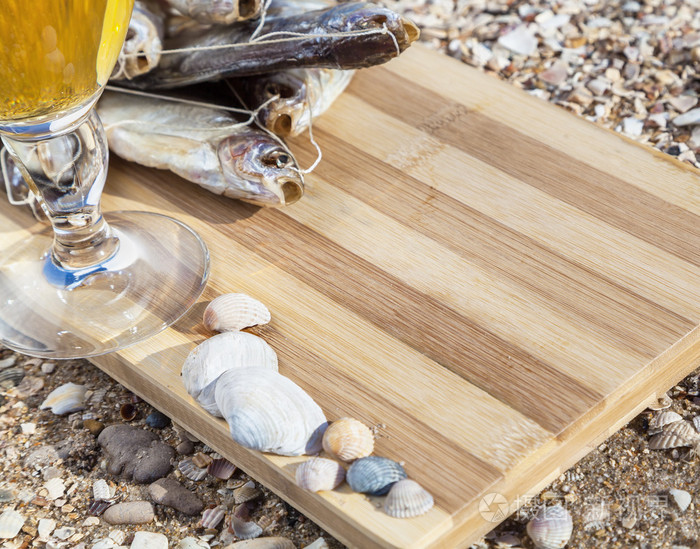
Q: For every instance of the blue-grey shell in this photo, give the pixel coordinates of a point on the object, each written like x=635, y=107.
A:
x=374, y=475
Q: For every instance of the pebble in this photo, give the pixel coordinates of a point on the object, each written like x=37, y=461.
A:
x=520, y=41
x=94, y=426
x=683, y=103
x=169, y=492
x=687, y=119
x=681, y=497
x=149, y=540
x=28, y=428
x=157, y=420
x=129, y=512
x=555, y=75
x=185, y=448
x=48, y=367
x=135, y=453
x=8, y=362
x=105, y=543
x=632, y=126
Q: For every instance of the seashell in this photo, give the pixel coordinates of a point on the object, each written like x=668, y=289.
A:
x=8, y=362
x=98, y=507
x=11, y=377
x=201, y=459
x=190, y=470
x=11, y=523
x=212, y=517
x=268, y=412
x=407, y=499
x=680, y=433
x=220, y=353
x=681, y=497
x=44, y=528
x=661, y=403
x=55, y=487
x=192, y=543
x=29, y=386
x=659, y=421
x=247, y=492
x=233, y=312
x=550, y=528
x=65, y=399
x=98, y=395
x=696, y=423
x=374, y=475
x=318, y=543
x=221, y=468
x=241, y=526
x=348, y=439
x=128, y=411
x=318, y=474
x=118, y=536
x=263, y=543
x=101, y=490
x=64, y=533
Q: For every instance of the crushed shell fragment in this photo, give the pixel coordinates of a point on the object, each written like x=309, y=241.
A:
x=673, y=435
x=348, y=439
x=318, y=474
x=11, y=523
x=65, y=399
x=102, y=491
x=233, y=312
x=191, y=471
x=659, y=421
x=407, y=499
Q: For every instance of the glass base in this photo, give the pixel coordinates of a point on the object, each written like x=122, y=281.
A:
x=156, y=275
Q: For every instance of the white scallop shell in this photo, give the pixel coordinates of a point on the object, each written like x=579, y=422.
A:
x=551, y=528
x=233, y=312
x=407, y=499
x=680, y=433
x=191, y=471
x=348, y=439
x=65, y=399
x=660, y=420
x=55, y=487
x=220, y=353
x=268, y=412
x=318, y=474
x=11, y=523
x=102, y=491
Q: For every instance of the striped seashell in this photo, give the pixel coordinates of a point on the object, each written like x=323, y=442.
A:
x=212, y=517
x=29, y=386
x=218, y=354
x=318, y=474
x=659, y=421
x=65, y=399
x=241, y=526
x=680, y=433
x=98, y=395
x=55, y=487
x=102, y=491
x=551, y=528
x=407, y=499
x=11, y=377
x=221, y=468
x=10, y=361
x=97, y=507
x=233, y=312
x=374, y=475
x=247, y=492
x=348, y=439
x=118, y=536
x=190, y=470
x=201, y=460
x=263, y=543
x=268, y=412
x=11, y=523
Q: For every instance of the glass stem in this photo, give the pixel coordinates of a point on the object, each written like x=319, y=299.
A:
x=67, y=173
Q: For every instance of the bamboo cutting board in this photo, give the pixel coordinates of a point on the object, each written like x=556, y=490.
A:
x=494, y=283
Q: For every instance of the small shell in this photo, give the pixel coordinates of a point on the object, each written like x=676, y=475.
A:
x=696, y=422
x=374, y=475
x=102, y=491
x=200, y=459
x=220, y=353
x=98, y=507
x=348, y=439
x=681, y=497
x=551, y=528
x=128, y=411
x=247, y=492
x=44, y=528
x=221, y=468
x=11, y=523
x=263, y=543
x=681, y=433
x=661, y=403
x=29, y=386
x=659, y=421
x=233, y=312
x=191, y=471
x=55, y=487
x=11, y=377
x=241, y=526
x=407, y=499
x=118, y=536
x=318, y=474
x=268, y=412
x=212, y=517
x=65, y=399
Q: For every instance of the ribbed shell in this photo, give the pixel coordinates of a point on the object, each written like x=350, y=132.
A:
x=101, y=490
x=318, y=474
x=348, y=439
x=268, y=412
x=191, y=471
x=248, y=492
x=551, y=528
x=200, y=459
x=11, y=376
x=680, y=433
x=212, y=517
x=243, y=528
x=221, y=468
x=65, y=399
x=407, y=499
x=660, y=420
x=218, y=354
x=11, y=523
x=233, y=312
x=56, y=488
x=374, y=475
x=263, y=543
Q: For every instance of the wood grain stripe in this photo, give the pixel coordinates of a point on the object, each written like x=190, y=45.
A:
x=608, y=198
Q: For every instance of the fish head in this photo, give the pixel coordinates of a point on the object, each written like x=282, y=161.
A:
x=220, y=12
x=289, y=113
x=362, y=16
x=259, y=170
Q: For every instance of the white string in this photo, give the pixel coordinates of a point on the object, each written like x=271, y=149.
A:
x=313, y=142
x=263, y=14
x=176, y=99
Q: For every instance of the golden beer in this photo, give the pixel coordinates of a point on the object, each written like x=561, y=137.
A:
x=55, y=54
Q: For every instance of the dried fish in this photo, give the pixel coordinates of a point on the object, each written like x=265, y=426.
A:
x=144, y=41
x=217, y=12
x=303, y=95
x=370, y=35
x=206, y=146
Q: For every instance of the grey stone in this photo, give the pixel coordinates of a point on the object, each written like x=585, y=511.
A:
x=135, y=453
x=170, y=492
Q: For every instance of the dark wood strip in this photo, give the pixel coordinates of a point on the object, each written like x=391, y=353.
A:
x=481, y=240
x=614, y=201
x=426, y=324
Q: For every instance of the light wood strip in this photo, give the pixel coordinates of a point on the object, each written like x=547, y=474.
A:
x=598, y=147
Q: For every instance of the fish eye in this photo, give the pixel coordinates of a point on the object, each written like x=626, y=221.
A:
x=271, y=89
x=277, y=159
